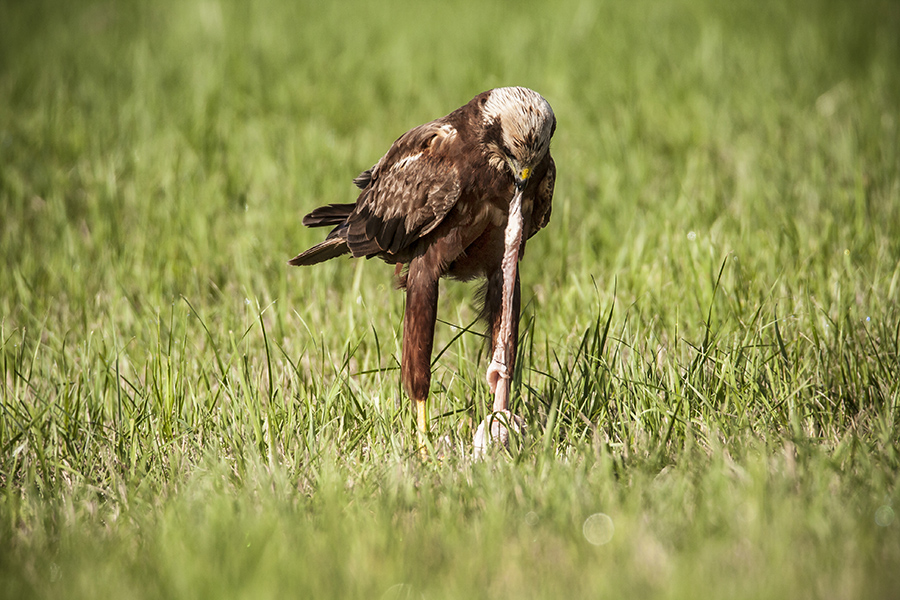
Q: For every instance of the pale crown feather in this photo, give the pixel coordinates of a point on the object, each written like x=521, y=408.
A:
x=526, y=122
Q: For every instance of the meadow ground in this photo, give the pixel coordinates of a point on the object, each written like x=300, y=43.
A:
x=709, y=353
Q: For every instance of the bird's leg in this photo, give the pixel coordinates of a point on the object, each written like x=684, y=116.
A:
x=418, y=338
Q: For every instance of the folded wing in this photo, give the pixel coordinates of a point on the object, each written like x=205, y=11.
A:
x=404, y=197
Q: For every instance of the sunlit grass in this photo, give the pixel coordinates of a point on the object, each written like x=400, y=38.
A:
x=710, y=339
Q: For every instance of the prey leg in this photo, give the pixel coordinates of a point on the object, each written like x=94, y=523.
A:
x=503, y=338
x=503, y=316
x=503, y=334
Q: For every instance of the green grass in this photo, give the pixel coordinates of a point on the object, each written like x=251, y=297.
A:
x=710, y=350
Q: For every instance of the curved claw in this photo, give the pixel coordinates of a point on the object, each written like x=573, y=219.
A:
x=495, y=372
x=498, y=378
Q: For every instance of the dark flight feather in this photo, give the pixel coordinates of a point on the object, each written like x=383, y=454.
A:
x=332, y=214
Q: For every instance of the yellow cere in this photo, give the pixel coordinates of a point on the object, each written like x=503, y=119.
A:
x=525, y=173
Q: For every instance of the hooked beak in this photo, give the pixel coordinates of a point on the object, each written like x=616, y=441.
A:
x=522, y=179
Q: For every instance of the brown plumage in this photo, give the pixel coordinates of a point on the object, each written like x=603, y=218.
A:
x=439, y=201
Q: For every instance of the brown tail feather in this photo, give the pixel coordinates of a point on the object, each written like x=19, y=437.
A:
x=321, y=252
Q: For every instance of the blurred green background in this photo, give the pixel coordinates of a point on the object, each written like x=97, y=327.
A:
x=710, y=333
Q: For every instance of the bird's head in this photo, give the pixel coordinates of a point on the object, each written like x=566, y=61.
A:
x=518, y=124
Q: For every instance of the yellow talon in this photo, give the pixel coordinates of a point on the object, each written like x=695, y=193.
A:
x=422, y=415
x=422, y=422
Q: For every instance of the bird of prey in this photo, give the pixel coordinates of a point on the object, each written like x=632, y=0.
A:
x=456, y=197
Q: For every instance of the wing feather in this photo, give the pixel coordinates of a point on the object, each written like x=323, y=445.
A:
x=332, y=214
